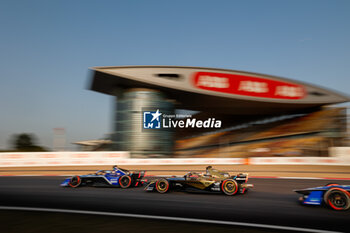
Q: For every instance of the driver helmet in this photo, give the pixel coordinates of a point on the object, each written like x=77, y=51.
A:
x=207, y=169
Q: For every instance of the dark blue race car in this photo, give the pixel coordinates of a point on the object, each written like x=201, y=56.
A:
x=333, y=195
x=118, y=177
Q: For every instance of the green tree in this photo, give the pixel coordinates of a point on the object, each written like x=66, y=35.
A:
x=25, y=142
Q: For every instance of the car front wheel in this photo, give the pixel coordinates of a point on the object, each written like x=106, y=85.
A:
x=337, y=199
x=75, y=181
x=162, y=185
x=229, y=187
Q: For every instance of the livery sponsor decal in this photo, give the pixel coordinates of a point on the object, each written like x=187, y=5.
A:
x=248, y=85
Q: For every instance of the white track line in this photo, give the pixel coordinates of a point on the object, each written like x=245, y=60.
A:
x=156, y=217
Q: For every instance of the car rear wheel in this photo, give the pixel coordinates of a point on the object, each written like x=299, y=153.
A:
x=75, y=181
x=337, y=199
x=125, y=181
x=229, y=187
x=162, y=186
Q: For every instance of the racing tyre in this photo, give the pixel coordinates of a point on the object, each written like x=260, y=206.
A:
x=331, y=184
x=337, y=199
x=162, y=186
x=229, y=187
x=75, y=181
x=125, y=181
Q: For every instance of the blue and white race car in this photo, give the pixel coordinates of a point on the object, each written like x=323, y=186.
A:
x=333, y=195
x=118, y=177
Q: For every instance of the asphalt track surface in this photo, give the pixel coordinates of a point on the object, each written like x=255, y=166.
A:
x=272, y=202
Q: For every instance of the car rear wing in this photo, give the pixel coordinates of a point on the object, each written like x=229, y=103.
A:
x=138, y=175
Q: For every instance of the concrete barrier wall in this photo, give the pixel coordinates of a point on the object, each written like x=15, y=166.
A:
x=38, y=159
x=44, y=159
x=300, y=161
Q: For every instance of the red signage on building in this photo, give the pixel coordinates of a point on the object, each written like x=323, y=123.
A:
x=248, y=86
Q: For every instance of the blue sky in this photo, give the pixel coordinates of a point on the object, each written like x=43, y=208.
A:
x=46, y=48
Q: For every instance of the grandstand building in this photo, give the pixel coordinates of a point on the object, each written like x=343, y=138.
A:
x=260, y=115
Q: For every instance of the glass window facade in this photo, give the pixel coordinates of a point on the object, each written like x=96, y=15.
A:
x=129, y=134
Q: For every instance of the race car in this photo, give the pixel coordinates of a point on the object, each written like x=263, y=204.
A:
x=118, y=177
x=333, y=195
x=210, y=181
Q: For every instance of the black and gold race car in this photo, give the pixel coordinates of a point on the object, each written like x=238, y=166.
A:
x=210, y=181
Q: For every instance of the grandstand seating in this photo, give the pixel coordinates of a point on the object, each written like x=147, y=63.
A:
x=290, y=137
x=286, y=147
